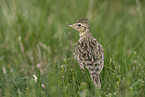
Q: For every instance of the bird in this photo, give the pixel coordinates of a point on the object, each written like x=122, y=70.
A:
x=88, y=51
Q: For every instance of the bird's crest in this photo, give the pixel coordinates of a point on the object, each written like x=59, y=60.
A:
x=83, y=20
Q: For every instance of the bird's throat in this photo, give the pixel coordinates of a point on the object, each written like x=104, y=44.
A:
x=84, y=34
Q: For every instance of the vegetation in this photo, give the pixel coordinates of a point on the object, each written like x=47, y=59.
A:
x=36, y=46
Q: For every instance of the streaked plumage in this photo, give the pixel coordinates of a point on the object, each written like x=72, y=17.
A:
x=88, y=52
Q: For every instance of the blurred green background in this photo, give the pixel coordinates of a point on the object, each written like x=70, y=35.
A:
x=35, y=41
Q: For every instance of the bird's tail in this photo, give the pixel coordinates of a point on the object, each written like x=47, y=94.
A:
x=96, y=80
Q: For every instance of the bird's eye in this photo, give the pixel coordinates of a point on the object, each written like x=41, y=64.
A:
x=79, y=25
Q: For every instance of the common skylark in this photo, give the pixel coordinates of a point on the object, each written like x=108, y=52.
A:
x=88, y=52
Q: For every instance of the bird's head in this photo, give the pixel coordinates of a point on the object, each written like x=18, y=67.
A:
x=81, y=25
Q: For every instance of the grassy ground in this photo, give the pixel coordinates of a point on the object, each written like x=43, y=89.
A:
x=36, y=42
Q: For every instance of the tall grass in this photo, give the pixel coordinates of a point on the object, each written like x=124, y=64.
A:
x=36, y=42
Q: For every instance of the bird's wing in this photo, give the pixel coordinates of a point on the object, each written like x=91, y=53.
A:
x=89, y=53
x=99, y=56
x=94, y=58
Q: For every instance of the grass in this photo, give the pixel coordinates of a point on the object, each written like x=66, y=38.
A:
x=35, y=40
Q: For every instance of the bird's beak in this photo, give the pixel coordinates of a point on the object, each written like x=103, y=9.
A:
x=70, y=26
x=73, y=26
